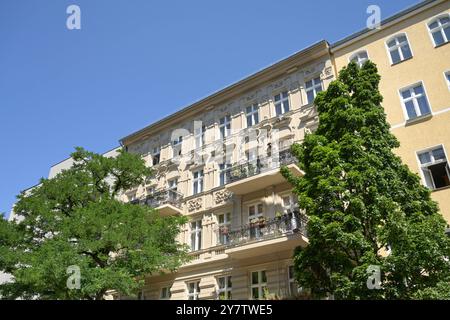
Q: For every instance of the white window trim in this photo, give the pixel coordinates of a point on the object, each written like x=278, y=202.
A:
x=168, y=287
x=226, y=223
x=259, y=285
x=227, y=132
x=430, y=21
x=405, y=113
x=354, y=54
x=201, y=136
x=288, y=98
x=313, y=88
x=291, y=199
x=227, y=167
x=389, y=52
x=227, y=290
x=447, y=81
x=419, y=164
x=252, y=113
x=200, y=178
x=291, y=280
x=198, y=238
x=196, y=293
x=255, y=204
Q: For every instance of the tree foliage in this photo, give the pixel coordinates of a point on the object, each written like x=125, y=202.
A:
x=365, y=207
x=76, y=219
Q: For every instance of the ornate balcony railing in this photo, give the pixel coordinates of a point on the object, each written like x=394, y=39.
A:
x=259, y=165
x=163, y=197
x=290, y=223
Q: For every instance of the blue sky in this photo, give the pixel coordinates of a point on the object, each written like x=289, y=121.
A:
x=134, y=62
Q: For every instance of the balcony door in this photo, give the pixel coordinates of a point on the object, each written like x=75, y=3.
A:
x=255, y=219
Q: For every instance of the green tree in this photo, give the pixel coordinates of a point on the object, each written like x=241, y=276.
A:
x=76, y=219
x=365, y=208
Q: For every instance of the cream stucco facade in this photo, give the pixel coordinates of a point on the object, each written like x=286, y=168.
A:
x=217, y=161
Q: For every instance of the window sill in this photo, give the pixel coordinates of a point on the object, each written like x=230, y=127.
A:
x=418, y=119
x=396, y=63
x=440, y=189
x=441, y=45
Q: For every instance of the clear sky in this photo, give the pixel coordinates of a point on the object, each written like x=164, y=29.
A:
x=134, y=62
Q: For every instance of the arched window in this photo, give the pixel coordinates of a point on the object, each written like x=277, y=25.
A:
x=399, y=49
x=439, y=29
x=359, y=57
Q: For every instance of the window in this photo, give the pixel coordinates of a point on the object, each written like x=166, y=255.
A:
x=172, y=186
x=199, y=136
x=399, y=49
x=359, y=57
x=176, y=146
x=281, y=103
x=198, y=182
x=255, y=213
x=224, y=171
x=313, y=87
x=165, y=293
x=415, y=101
x=156, y=156
x=193, y=290
x=447, y=79
x=224, y=228
x=294, y=289
x=251, y=113
x=225, y=127
x=435, y=168
x=440, y=29
x=289, y=202
x=258, y=284
x=196, y=235
x=224, y=284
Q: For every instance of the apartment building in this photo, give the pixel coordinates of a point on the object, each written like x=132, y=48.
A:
x=217, y=161
x=412, y=52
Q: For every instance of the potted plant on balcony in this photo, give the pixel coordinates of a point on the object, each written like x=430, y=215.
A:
x=254, y=222
x=224, y=230
x=262, y=222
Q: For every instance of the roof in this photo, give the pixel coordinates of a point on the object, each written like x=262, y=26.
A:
x=402, y=14
x=321, y=46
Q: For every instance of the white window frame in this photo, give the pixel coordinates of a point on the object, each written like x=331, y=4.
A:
x=313, y=88
x=291, y=281
x=257, y=230
x=252, y=115
x=223, y=171
x=356, y=55
x=260, y=285
x=227, y=217
x=447, y=78
x=167, y=290
x=226, y=289
x=440, y=27
x=200, y=136
x=423, y=166
x=172, y=184
x=198, y=182
x=416, y=105
x=195, y=227
x=398, y=47
x=194, y=295
x=281, y=102
x=225, y=127
x=156, y=151
x=293, y=203
x=177, y=146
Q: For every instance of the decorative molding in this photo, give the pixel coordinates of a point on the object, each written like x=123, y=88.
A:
x=195, y=204
x=222, y=196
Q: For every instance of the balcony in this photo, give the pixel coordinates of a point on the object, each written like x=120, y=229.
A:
x=167, y=202
x=265, y=236
x=260, y=173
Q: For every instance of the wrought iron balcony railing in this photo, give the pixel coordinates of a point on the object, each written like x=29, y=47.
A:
x=163, y=197
x=263, y=229
x=259, y=165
